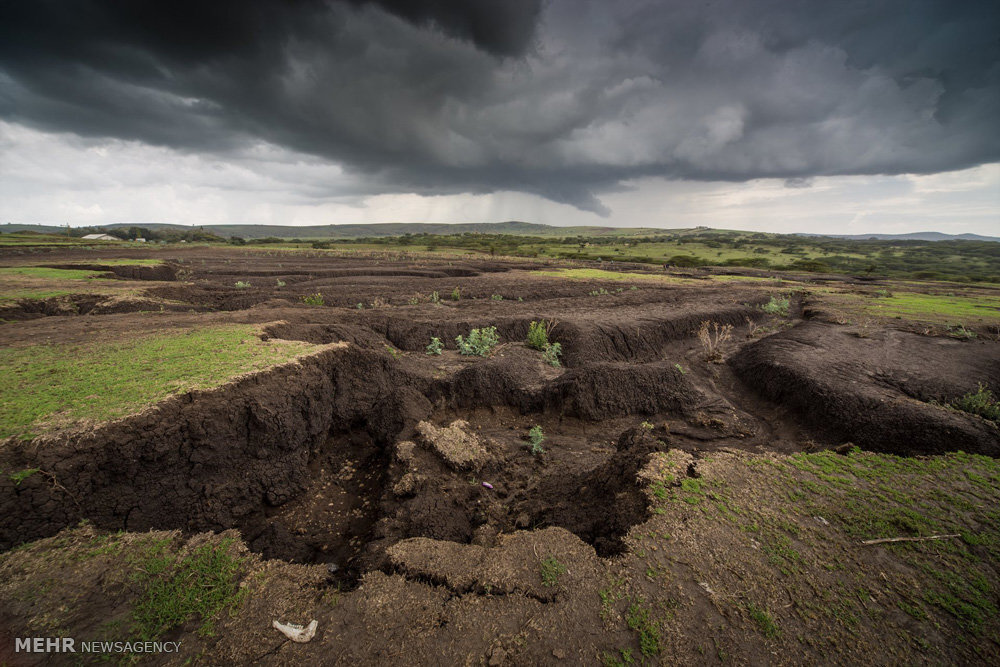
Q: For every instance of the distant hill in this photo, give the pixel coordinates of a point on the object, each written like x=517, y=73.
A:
x=313, y=232
x=915, y=236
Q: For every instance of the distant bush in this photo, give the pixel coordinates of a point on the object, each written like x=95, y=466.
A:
x=313, y=299
x=435, y=346
x=980, y=402
x=479, y=342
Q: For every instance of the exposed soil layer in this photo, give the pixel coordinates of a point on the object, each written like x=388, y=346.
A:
x=409, y=476
x=885, y=393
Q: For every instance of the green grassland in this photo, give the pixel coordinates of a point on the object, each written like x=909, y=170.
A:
x=52, y=386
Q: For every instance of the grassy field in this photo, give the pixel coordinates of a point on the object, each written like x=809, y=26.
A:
x=49, y=387
x=932, y=308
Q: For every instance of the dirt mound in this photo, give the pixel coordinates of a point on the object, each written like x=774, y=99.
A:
x=874, y=391
x=460, y=449
x=601, y=391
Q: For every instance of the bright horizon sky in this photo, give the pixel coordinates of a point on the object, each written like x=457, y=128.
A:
x=874, y=116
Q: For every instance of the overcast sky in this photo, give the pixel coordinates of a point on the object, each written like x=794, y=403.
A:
x=779, y=115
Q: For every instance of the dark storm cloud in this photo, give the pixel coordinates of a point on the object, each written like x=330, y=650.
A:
x=565, y=101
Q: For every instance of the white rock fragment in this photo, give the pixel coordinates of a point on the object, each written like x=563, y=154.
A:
x=296, y=632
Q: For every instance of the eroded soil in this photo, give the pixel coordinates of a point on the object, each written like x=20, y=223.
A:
x=391, y=493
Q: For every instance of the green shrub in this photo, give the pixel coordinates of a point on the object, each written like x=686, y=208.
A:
x=479, y=343
x=456, y=294
x=776, y=307
x=980, y=402
x=313, y=299
x=535, y=439
x=552, y=354
x=435, y=346
x=538, y=335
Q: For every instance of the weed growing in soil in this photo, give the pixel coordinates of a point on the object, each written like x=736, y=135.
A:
x=680, y=369
x=21, y=475
x=456, y=294
x=551, y=570
x=764, y=622
x=552, y=354
x=413, y=301
x=612, y=660
x=479, y=343
x=980, y=402
x=713, y=337
x=776, y=306
x=640, y=620
x=199, y=585
x=281, y=283
x=314, y=299
x=496, y=297
x=535, y=439
x=435, y=346
x=599, y=292
x=538, y=335
x=435, y=297
x=243, y=284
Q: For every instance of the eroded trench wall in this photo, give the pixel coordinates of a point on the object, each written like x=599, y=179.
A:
x=205, y=459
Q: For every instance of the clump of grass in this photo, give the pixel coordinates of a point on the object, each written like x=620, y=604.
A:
x=765, y=623
x=243, y=284
x=176, y=590
x=480, y=342
x=640, y=620
x=535, y=439
x=281, y=283
x=776, y=306
x=980, y=402
x=435, y=346
x=713, y=336
x=456, y=294
x=314, y=299
x=551, y=570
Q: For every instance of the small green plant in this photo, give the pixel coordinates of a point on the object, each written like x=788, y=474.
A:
x=496, y=297
x=479, y=342
x=456, y=294
x=551, y=570
x=647, y=425
x=961, y=332
x=883, y=293
x=281, y=283
x=599, y=292
x=552, y=354
x=764, y=622
x=612, y=660
x=535, y=439
x=776, y=306
x=435, y=297
x=21, y=475
x=314, y=299
x=681, y=369
x=243, y=284
x=413, y=301
x=980, y=402
x=435, y=346
x=392, y=351
x=360, y=306
x=538, y=335
x=640, y=620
